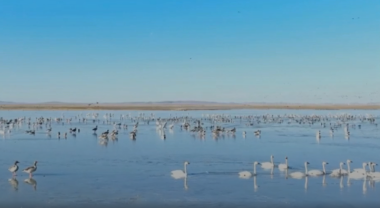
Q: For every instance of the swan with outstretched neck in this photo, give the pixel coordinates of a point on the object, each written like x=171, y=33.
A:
x=284, y=166
x=268, y=165
x=361, y=170
x=359, y=173
x=319, y=172
x=247, y=174
x=300, y=174
x=338, y=172
x=180, y=173
x=373, y=174
x=348, y=171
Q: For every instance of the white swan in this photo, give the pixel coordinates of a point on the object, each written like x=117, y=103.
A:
x=177, y=174
x=247, y=174
x=268, y=165
x=346, y=172
x=284, y=166
x=361, y=170
x=337, y=172
x=374, y=175
x=319, y=172
x=357, y=175
x=372, y=167
x=300, y=174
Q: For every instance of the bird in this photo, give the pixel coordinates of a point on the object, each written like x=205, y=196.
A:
x=283, y=166
x=177, y=174
x=319, y=172
x=338, y=172
x=300, y=174
x=247, y=174
x=268, y=165
x=14, y=168
x=31, y=169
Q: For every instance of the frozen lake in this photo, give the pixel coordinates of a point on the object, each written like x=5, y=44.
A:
x=83, y=170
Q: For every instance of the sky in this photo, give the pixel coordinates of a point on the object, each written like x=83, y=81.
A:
x=294, y=51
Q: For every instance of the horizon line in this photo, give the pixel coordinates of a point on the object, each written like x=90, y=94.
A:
x=183, y=102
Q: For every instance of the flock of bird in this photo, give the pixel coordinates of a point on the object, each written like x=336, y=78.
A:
x=357, y=173
x=217, y=125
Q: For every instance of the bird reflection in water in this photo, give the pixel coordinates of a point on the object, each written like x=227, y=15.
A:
x=185, y=183
x=306, y=183
x=103, y=142
x=286, y=173
x=348, y=181
x=324, y=181
x=32, y=182
x=271, y=172
x=255, y=186
x=14, y=183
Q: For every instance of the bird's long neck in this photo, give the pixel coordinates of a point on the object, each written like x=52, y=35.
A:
x=185, y=169
x=324, y=168
x=348, y=167
x=254, y=168
x=373, y=167
x=364, y=167
x=271, y=160
x=286, y=162
x=305, y=168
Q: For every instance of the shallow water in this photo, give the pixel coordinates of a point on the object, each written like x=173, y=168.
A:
x=79, y=170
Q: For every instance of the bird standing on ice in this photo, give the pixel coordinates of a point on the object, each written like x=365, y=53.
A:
x=14, y=168
x=31, y=169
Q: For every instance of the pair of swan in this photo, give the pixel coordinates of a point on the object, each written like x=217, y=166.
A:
x=270, y=165
x=357, y=173
x=311, y=172
x=285, y=166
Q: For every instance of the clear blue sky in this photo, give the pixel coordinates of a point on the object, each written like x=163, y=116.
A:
x=208, y=50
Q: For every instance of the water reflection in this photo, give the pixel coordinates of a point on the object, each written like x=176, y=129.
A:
x=341, y=182
x=31, y=182
x=185, y=183
x=306, y=182
x=255, y=186
x=14, y=183
x=324, y=181
x=271, y=172
x=348, y=182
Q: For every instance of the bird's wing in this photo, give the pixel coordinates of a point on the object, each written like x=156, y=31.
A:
x=29, y=168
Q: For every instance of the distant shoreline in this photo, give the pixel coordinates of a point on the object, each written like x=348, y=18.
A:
x=186, y=107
